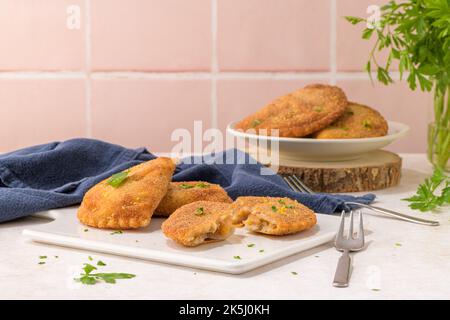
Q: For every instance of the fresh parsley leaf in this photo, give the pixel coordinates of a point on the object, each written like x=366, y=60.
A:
x=117, y=179
x=237, y=257
x=261, y=251
x=42, y=257
x=251, y=245
x=116, y=232
x=42, y=262
x=101, y=263
x=294, y=273
x=86, y=280
x=88, y=268
x=274, y=209
x=186, y=186
x=353, y=20
x=426, y=197
x=90, y=258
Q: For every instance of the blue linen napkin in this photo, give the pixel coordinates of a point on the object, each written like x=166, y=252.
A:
x=58, y=174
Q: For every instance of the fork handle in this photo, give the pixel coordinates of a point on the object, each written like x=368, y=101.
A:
x=397, y=214
x=342, y=274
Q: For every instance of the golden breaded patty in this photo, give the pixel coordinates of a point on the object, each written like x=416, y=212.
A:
x=199, y=222
x=181, y=193
x=271, y=215
x=128, y=199
x=300, y=113
x=358, y=121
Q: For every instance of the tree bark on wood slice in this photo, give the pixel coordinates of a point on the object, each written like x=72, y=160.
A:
x=375, y=170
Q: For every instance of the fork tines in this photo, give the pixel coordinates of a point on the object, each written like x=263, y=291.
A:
x=351, y=242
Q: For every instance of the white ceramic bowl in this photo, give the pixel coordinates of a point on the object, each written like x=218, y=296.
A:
x=324, y=149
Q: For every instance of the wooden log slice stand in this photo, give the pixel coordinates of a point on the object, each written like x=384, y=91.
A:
x=375, y=170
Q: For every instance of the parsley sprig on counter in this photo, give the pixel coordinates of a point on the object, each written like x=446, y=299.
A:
x=427, y=197
x=90, y=278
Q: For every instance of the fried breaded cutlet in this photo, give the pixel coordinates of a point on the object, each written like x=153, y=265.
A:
x=199, y=222
x=272, y=216
x=300, y=113
x=128, y=199
x=358, y=121
x=182, y=193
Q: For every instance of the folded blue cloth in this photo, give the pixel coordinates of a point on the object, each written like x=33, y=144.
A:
x=58, y=174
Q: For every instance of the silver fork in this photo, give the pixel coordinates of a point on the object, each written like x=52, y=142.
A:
x=299, y=186
x=348, y=244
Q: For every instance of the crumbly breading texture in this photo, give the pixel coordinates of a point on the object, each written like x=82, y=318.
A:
x=199, y=222
x=272, y=215
x=358, y=121
x=300, y=113
x=182, y=193
x=132, y=203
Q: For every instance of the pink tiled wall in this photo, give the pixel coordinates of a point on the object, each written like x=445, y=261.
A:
x=132, y=71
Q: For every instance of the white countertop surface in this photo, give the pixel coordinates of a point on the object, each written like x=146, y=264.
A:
x=402, y=261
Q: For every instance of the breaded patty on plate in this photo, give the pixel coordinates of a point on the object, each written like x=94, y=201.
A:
x=271, y=215
x=300, y=113
x=199, y=222
x=182, y=193
x=358, y=121
x=127, y=199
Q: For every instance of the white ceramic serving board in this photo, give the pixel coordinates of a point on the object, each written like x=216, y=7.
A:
x=150, y=243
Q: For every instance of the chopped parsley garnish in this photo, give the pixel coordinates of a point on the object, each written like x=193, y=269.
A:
x=274, y=209
x=90, y=278
x=294, y=273
x=256, y=123
x=42, y=262
x=42, y=257
x=251, y=245
x=367, y=124
x=101, y=263
x=398, y=244
x=90, y=258
x=199, y=211
x=262, y=250
x=318, y=109
x=202, y=185
x=117, y=179
x=289, y=207
x=281, y=201
x=56, y=257
x=186, y=186
x=237, y=257
x=349, y=112
x=86, y=230
x=117, y=232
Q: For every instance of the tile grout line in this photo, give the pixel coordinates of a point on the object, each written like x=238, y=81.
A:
x=343, y=75
x=214, y=65
x=333, y=41
x=88, y=106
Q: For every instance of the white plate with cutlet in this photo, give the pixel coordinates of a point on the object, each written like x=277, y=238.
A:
x=242, y=252
x=321, y=150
